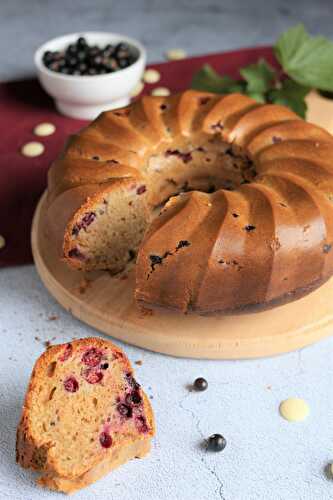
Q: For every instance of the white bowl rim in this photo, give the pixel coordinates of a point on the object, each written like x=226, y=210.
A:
x=79, y=78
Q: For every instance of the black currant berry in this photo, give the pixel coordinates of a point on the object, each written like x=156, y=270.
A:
x=216, y=442
x=200, y=384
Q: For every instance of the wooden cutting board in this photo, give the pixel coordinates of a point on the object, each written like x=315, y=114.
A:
x=106, y=303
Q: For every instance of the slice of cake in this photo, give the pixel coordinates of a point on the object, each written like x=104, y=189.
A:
x=84, y=414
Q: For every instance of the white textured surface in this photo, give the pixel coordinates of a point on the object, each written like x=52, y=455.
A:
x=266, y=457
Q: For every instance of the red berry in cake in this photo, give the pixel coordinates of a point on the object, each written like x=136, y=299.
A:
x=154, y=260
x=141, y=190
x=141, y=424
x=67, y=353
x=92, y=376
x=204, y=100
x=125, y=410
x=92, y=357
x=249, y=227
x=200, y=384
x=133, y=398
x=182, y=244
x=131, y=381
x=76, y=254
x=105, y=439
x=71, y=384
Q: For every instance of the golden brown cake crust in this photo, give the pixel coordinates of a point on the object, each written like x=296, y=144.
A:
x=35, y=448
x=265, y=233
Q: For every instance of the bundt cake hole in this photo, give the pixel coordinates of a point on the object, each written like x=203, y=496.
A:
x=203, y=164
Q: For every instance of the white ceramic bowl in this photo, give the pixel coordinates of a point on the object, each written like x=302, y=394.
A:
x=86, y=96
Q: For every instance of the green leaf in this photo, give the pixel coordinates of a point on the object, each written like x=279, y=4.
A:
x=292, y=95
x=208, y=80
x=306, y=59
x=257, y=96
x=258, y=76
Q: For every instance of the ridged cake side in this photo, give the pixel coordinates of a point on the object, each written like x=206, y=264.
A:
x=255, y=227
x=266, y=239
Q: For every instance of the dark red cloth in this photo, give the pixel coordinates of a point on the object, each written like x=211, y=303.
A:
x=23, y=105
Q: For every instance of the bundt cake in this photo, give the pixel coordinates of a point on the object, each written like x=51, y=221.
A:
x=252, y=219
x=84, y=414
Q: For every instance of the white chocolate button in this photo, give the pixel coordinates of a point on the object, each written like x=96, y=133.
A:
x=44, y=129
x=2, y=242
x=294, y=409
x=137, y=89
x=176, y=54
x=151, y=76
x=160, y=91
x=32, y=149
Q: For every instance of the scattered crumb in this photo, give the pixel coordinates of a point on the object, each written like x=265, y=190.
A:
x=151, y=397
x=269, y=387
x=53, y=317
x=47, y=344
x=138, y=362
x=37, y=339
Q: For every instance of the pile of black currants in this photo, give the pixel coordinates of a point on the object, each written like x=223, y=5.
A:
x=80, y=58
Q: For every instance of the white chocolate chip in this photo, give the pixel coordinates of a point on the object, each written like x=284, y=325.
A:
x=44, y=129
x=32, y=149
x=176, y=54
x=151, y=76
x=2, y=242
x=160, y=91
x=294, y=409
x=137, y=89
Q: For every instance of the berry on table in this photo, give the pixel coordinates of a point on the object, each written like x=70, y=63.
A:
x=216, y=442
x=200, y=384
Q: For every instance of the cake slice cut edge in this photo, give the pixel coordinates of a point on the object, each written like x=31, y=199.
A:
x=84, y=415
